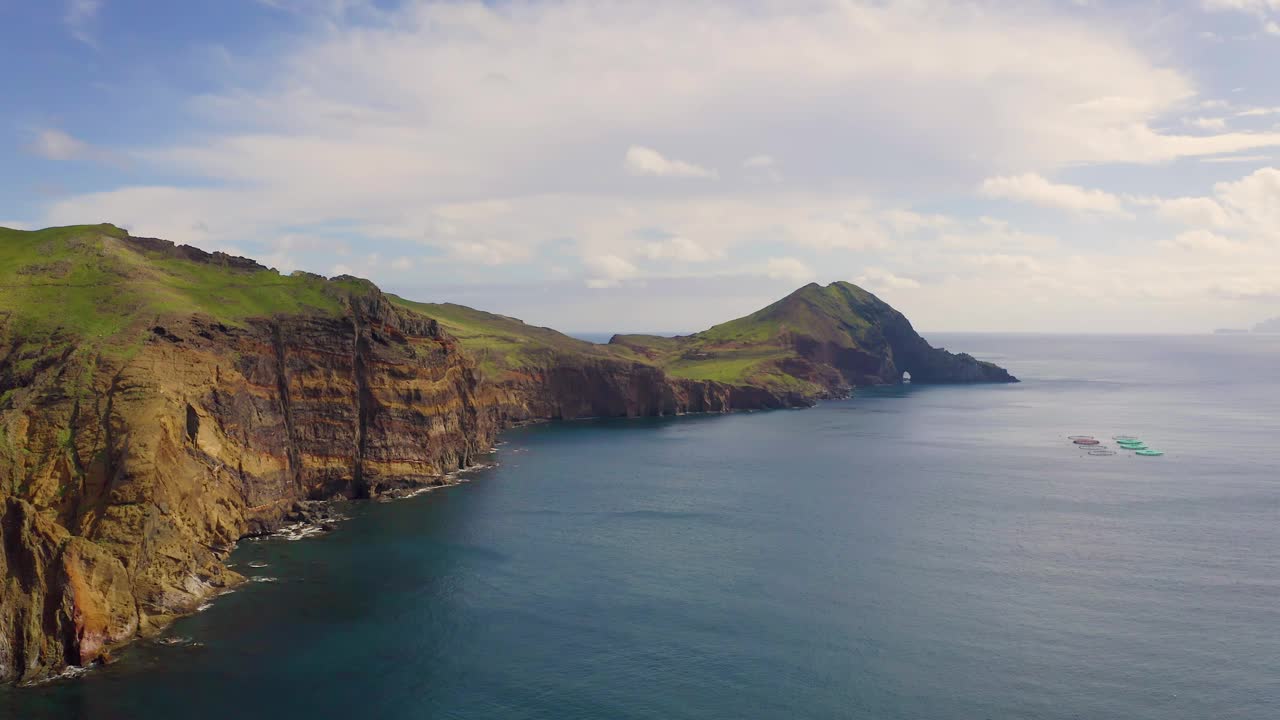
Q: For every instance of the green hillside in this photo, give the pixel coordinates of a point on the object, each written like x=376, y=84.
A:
x=502, y=344
x=753, y=349
x=91, y=281
x=95, y=283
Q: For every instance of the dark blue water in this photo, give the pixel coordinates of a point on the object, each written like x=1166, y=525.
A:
x=912, y=553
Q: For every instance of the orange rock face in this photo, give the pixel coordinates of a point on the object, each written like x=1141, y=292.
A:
x=126, y=483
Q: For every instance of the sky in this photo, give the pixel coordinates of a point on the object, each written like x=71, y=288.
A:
x=662, y=165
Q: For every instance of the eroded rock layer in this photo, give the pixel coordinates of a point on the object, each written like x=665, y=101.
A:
x=128, y=479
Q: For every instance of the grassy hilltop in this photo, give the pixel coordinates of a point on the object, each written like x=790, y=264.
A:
x=91, y=280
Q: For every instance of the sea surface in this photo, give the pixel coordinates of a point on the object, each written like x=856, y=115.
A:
x=914, y=552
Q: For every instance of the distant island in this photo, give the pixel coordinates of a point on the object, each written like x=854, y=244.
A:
x=1264, y=327
x=1268, y=326
x=158, y=403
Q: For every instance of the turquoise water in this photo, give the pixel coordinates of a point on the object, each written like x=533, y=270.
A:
x=916, y=552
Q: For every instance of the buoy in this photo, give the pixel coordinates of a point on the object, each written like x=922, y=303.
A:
x=1100, y=451
x=1147, y=452
x=1086, y=441
x=1123, y=438
x=1079, y=437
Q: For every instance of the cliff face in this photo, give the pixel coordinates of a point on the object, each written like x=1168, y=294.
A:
x=603, y=388
x=129, y=479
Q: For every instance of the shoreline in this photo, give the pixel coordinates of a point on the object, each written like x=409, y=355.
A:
x=313, y=518
x=305, y=519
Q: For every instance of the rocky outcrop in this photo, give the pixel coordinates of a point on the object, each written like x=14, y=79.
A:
x=129, y=475
x=871, y=343
x=1268, y=326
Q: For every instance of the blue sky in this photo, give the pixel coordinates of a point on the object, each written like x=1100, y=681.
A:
x=607, y=165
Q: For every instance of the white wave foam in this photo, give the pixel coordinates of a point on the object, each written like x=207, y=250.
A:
x=71, y=671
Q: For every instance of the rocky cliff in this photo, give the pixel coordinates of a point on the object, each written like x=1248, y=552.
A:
x=158, y=403
x=128, y=471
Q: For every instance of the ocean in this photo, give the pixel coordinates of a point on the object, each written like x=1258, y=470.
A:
x=911, y=553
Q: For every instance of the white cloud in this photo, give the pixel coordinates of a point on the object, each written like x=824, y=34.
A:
x=203, y=217
x=1249, y=206
x=576, y=76
x=1024, y=264
x=1207, y=123
x=16, y=225
x=289, y=252
x=762, y=168
x=788, y=268
x=906, y=221
x=875, y=278
x=79, y=19
x=54, y=144
x=1264, y=10
x=1254, y=201
x=1256, y=7
x=402, y=264
x=646, y=161
x=1259, y=111
x=1201, y=211
x=679, y=248
x=1236, y=159
x=1206, y=241
x=1035, y=189
x=487, y=251
x=1248, y=288
x=992, y=235
x=609, y=271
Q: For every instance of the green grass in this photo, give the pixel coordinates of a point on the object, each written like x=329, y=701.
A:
x=85, y=282
x=734, y=369
x=502, y=344
x=59, y=278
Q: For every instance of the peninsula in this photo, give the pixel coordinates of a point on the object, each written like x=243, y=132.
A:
x=158, y=403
